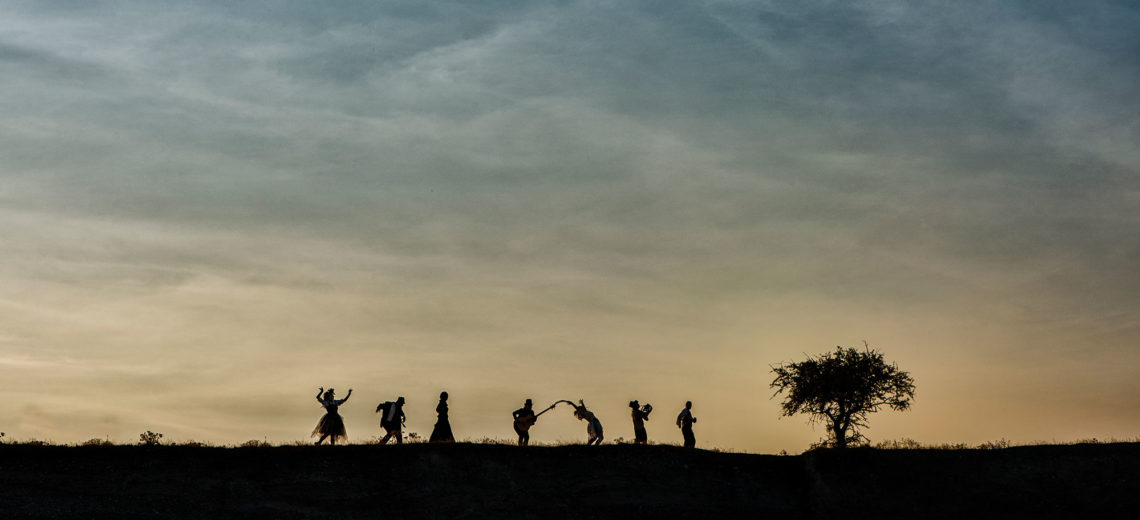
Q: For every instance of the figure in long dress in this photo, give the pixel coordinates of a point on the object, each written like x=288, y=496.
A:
x=640, y=415
x=685, y=422
x=331, y=426
x=442, y=430
x=593, y=425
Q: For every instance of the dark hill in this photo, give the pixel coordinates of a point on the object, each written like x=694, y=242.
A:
x=488, y=481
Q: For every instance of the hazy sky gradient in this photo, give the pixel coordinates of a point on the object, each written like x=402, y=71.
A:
x=209, y=209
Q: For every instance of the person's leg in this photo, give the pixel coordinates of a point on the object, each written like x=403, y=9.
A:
x=399, y=436
x=388, y=435
x=322, y=439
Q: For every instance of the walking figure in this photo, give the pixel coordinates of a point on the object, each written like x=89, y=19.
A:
x=685, y=422
x=442, y=430
x=593, y=425
x=640, y=415
x=392, y=420
x=331, y=425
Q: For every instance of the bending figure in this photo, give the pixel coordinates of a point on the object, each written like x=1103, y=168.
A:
x=331, y=426
x=593, y=425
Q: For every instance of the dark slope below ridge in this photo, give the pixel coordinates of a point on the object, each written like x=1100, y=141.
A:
x=616, y=481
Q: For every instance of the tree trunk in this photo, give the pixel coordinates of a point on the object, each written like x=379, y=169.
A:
x=839, y=430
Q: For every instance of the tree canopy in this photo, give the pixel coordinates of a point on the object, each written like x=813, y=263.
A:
x=841, y=388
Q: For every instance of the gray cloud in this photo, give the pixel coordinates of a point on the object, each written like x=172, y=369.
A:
x=497, y=178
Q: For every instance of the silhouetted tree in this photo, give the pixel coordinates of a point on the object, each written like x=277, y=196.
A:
x=840, y=388
x=149, y=438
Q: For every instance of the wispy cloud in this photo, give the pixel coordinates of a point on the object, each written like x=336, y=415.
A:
x=266, y=195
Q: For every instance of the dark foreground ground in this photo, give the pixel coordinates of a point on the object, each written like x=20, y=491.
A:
x=487, y=481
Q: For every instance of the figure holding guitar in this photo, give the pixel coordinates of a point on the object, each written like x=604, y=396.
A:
x=525, y=418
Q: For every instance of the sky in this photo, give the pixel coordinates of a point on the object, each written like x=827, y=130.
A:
x=210, y=209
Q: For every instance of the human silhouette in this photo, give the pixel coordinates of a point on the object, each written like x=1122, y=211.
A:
x=524, y=419
x=392, y=420
x=593, y=425
x=685, y=422
x=442, y=430
x=640, y=415
x=331, y=425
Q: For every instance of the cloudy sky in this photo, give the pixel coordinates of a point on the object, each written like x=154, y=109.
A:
x=209, y=209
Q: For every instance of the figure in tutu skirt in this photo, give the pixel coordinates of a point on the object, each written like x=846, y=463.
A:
x=331, y=426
